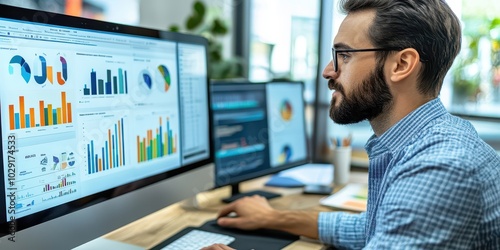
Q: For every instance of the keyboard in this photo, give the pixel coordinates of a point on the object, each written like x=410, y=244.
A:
x=197, y=239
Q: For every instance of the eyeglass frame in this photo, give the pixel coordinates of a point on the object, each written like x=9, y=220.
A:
x=335, y=51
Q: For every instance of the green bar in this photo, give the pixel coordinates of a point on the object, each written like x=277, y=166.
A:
x=46, y=116
x=101, y=87
x=141, y=151
x=120, y=80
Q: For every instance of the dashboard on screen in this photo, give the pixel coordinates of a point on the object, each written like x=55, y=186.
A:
x=259, y=129
x=87, y=109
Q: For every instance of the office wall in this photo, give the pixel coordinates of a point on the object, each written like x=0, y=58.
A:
x=161, y=14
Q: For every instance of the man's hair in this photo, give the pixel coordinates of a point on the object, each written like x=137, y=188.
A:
x=428, y=26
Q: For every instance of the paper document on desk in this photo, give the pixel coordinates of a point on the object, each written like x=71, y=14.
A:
x=353, y=197
x=308, y=174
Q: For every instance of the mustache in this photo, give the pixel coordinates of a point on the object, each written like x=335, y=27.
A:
x=334, y=85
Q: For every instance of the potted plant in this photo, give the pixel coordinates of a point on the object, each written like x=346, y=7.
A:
x=213, y=28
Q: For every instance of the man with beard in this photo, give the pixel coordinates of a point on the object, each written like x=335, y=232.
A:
x=433, y=183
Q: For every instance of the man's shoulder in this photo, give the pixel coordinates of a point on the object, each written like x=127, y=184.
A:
x=449, y=140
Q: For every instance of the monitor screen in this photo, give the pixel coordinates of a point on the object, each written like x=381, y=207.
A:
x=259, y=129
x=91, y=110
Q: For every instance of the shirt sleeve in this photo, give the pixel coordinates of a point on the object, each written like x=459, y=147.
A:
x=428, y=207
x=342, y=230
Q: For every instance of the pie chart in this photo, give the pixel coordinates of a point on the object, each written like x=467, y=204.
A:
x=163, y=78
x=145, y=81
x=286, y=110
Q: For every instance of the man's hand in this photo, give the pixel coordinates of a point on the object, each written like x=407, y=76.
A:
x=255, y=213
x=217, y=247
x=252, y=213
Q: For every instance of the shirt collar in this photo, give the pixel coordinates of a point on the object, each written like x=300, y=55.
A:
x=401, y=133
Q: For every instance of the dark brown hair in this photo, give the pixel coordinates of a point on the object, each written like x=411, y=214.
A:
x=428, y=26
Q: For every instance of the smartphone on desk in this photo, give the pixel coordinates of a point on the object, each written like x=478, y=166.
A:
x=318, y=189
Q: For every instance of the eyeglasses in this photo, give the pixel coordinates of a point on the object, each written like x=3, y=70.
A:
x=335, y=51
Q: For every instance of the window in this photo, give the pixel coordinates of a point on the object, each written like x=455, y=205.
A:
x=471, y=88
x=473, y=84
x=283, y=43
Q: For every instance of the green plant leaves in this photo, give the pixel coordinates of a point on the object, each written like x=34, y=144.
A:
x=174, y=28
x=201, y=22
x=219, y=27
x=197, y=17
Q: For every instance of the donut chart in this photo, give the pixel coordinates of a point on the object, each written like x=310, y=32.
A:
x=163, y=78
x=286, y=110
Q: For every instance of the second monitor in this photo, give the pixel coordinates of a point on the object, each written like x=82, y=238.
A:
x=259, y=129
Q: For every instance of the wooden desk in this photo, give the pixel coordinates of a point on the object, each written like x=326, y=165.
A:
x=156, y=227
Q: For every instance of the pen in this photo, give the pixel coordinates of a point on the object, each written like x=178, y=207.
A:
x=333, y=142
x=347, y=140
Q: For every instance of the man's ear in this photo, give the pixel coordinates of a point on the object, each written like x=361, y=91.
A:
x=404, y=64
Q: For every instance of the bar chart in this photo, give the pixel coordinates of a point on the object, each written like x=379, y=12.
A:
x=110, y=153
x=111, y=85
x=46, y=114
x=157, y=143
x=62, y=183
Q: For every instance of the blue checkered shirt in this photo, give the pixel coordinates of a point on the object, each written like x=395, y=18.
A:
x=433, y=184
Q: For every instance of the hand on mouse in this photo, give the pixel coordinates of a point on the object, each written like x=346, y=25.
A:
x=252, y=213
x=217, y=247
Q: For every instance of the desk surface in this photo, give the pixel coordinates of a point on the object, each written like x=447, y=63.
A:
x=156, y=227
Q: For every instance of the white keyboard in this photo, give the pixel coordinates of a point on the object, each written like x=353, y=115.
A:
x=197, y=239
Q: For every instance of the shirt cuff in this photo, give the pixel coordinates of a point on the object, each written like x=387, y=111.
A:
x=327, y=224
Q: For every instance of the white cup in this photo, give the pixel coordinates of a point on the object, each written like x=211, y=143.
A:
x=341, y=160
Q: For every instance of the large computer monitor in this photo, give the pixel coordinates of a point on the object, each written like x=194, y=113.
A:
x=91, y=111
x=259, y=129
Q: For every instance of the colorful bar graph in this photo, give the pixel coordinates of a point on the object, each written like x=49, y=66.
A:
x=45, y=116
x=113, y=85
x=60, y=184
x=162, y=143
x=60, y=194
x=111, y=154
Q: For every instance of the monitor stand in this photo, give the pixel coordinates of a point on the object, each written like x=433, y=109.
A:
x=235, y=194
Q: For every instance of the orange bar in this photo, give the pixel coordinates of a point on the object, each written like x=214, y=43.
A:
x=156, y=153
x=49, y=74
x=21, y=112
x=70, y=120
x=64, y=107
x=150, y=144
x=110, y=153
x=174, y=147
x=32, y=117
x=100, y=164
x=11, y=117
x=120, y=141
x=58, y=112
x=73, y=7
x=41, y=106
x=49, y=114
x=138, y=149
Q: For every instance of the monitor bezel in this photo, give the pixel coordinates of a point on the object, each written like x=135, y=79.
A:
x=49, y=18
x=271, y=170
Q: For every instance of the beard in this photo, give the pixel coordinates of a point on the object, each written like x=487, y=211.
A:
x=366, y=101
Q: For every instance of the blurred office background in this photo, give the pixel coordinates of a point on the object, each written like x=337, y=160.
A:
x=268, y=39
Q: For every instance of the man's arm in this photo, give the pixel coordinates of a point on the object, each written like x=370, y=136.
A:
x=344, y=230
x=255, y=212
x=428, y=207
